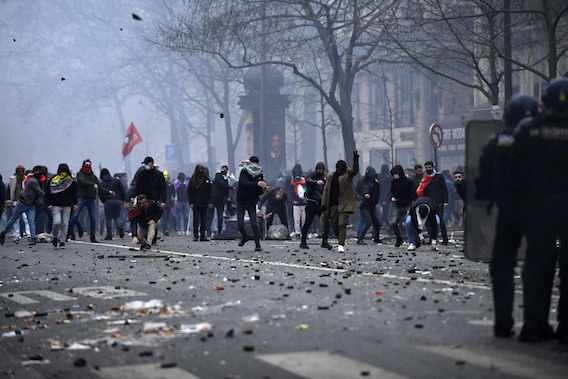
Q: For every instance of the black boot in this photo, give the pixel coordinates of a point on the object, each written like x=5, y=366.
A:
x=304, y=243
x=2, y=238
x=54, y=242
x=325, y=244
x=243, y=241
x=93, y=239
x=257, y=246
x=108, y=237
x=71, y=236
x=121, y=232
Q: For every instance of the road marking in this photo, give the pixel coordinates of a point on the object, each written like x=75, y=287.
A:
x=325, y=365
x=20, y=298
x=487, y=322
x=448, y=283
x=106, y=292
x=523, y=366
x=147, y=371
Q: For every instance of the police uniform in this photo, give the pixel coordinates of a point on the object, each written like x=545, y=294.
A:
x=496, y=184
x=541, y=152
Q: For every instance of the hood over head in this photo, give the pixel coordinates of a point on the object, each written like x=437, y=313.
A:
x=398, y=170
x=370, y=173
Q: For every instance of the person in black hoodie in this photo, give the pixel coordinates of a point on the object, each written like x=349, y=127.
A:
x=314, y=190
x=402, y=195
x=433, y=186
x=385, y=180
x=61, y=196
x=88, y=186
x=2, y=196
x=251, y=186
x=219, y=194
x=112, y=197
x=199, y=195
x=369, y=193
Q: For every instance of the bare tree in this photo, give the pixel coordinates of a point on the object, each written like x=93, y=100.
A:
x=347, y=35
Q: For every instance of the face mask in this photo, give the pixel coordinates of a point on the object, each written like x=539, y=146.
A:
x=148, y=167
x=396, y=176
x=297, y=177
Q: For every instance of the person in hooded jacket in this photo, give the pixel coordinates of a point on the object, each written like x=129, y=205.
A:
x=433, y=186
x=2, y=196
x=369, y=192
x=275, y=201
x=219, y=194
x=421, y=217
x=113, y=198
x=61, y=196
x=251, y=186
x=88, y=186
x=199, y=195
x=298, y=190
x=30, y=197
x=315, y=184
x=44, y=221
x=402, y=195
x=339, y=201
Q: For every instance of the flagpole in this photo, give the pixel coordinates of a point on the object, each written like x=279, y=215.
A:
x=122, y=122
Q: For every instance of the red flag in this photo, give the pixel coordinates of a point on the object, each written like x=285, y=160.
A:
x=132, y=139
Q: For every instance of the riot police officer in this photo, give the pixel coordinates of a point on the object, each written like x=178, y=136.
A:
x=495, y=185
x=540, y=152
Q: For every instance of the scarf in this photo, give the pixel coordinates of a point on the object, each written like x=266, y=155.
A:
x=426, y=179
x=60, y=182
x=252, y=168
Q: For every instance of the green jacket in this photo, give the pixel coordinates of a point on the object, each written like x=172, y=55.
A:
x=347, y=198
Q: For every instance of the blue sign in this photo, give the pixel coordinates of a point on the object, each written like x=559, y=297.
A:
x=170, y=152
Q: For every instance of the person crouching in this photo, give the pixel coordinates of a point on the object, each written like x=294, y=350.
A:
x=421, y=216
x=146, y=213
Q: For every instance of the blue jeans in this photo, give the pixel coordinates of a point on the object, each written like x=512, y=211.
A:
x=91, y=206
x=182, y=216
x=30, y=212
x=412, y=233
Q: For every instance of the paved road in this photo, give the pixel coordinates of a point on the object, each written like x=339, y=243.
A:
x=226, y=312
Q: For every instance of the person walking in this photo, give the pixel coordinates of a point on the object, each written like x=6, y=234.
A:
x=339, y=201
x=369, y=192
x=315, y=184
x=30, y=197
x=298, y=190
x=113, y=198
x=402, y=195
x=88, y=186
x=61, y=196
x=251, y=186
x=385, y=202
x=199, y=196
x=219, y=194
x=433, y=186
x=15, y=187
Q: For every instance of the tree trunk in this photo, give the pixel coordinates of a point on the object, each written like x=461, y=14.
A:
x=346, y=118
x=551, y=36
x=323, y=131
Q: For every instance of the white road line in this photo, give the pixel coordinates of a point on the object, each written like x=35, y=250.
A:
x=20, y=298
x=448, y=283
x=146, y=371
x=523, y=366
x=324, y=365
x=106, y=292
x=486, y=322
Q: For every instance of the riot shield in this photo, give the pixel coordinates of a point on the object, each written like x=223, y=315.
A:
x=480, y=224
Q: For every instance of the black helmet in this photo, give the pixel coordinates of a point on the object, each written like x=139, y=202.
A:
x=555, y=96
x=519, y=107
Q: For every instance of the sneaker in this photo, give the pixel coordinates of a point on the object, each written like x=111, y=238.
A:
x=145, y=246
x=411, y=247
x=121, y=233
x=340, y=249
x=135, y=241
x=243, y=241
x=398, y=243
x=61, y=244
